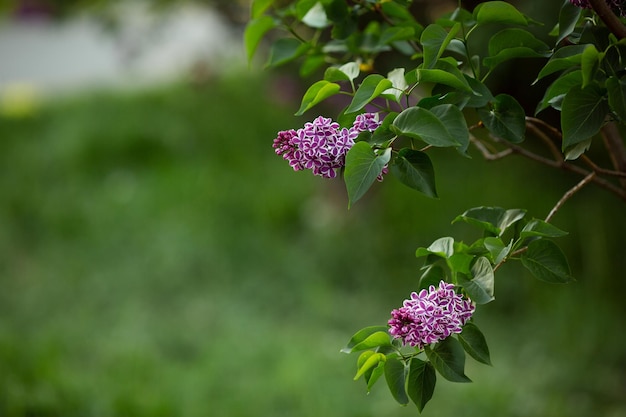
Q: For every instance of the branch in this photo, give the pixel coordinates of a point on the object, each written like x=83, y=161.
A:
x=609, y=18
x=569, y=194
x=617, y=151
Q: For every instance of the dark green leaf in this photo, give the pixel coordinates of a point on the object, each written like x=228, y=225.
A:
x=363, y=166
x=495, y=220
x=433, y=275
x=481, y=95
x=255, y=30
x=454, y=122
x=514, y=43
x=415, y=170
x=440, y=76
x=419, y=123
x=316, y=93
x=435, y=40
x=474, y=343
x=505, y=118
x=346, y=72
x=481, y=287
x=398, y=33
x=583, y=113
x=448, y=358
x=617, y=96
x=285, y=50
x=372, y=86
x=496, y=248
x=361, y=335
x=558, y=89
x=538, y=227
x=421, y=382
x=564, y=58
x=568, y=18
x=546, y=262
x=589, y=62
x=395, y=375
x=460, y=263
x=498, y=12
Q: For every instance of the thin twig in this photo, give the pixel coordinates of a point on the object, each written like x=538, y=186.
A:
x=487, y=154
x=558, y=156
x=615, y=146
x=569, y=194
x=600, y=170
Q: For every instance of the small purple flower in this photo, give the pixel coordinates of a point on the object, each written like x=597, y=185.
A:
x=618, y=6
x=430, y=316
x=322, y=145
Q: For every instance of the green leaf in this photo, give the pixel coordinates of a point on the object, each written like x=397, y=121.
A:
x=316, y=17
x=546, y=262
x=496, y=248
x=583, y=113
x=259, y=7
x=505, y=118
x=440, y=76
x=317, y=93
x=421, y=382
x=481, y=95
x=433, y=275
x=564, y=58
x=558, y=89
x=374, y=374
x=285, y=50
x=395, y=375
x=454, y=122
x=474, y=343
x=495, y=220
x=460, y=263
x=398, y=84
x=368, y=361
x=568, y=18
x=419, y=123
x=346, y=72
x=481, y=287
x=375, y=340
x=589, y=62
x=435, y=40
x=448, y=358
x=361, y=336
x=372, y=86
x=443, y=247
x=498, y=12
x=514, y=43
x=415, y=170
x=363, y=166
x=540, y=228
x=255, y=30
x=617, y=96
x=396, y=33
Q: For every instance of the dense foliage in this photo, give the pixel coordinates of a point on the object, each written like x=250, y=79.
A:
x=438, y=95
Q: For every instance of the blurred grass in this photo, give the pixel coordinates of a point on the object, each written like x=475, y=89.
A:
x=157, y=259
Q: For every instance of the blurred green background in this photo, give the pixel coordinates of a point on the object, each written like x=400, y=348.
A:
x=157, y=259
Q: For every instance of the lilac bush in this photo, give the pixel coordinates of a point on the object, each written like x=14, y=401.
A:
x=322, y=145
x=430, y=316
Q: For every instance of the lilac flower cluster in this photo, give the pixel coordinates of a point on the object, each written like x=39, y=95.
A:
x=322, y=145
x=430, y=316
x=618, y=6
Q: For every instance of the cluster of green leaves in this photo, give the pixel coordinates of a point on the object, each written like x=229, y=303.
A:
x=447, y=82
x=506, y=235
x=428, y=103
x=591, y=85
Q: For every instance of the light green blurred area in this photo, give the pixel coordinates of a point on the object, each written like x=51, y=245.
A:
x=157, y=259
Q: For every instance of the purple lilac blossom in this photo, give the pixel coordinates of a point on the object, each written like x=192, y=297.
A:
x=430, y=316
x=618, y=6
x=322, y=145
